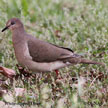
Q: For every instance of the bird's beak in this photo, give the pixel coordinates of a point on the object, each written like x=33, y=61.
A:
x=5, y=28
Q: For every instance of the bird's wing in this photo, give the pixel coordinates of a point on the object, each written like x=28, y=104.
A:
x=41, y=51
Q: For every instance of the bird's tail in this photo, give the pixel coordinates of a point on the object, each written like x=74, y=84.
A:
x=84, y=61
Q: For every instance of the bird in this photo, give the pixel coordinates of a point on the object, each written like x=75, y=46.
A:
x=38, y=55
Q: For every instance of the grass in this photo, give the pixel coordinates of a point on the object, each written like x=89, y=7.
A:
x=77, y=24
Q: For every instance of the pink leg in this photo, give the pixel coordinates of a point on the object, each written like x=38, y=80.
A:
x=57, y=72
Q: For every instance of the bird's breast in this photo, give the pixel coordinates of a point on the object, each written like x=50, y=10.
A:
x=21, y=52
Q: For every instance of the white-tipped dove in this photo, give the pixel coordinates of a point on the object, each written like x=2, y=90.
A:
x=40, y=56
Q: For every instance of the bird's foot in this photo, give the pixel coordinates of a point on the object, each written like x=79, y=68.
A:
x=58, y=75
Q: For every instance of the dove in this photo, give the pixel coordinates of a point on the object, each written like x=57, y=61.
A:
x=38, y=55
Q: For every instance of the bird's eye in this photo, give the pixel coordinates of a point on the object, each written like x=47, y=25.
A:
x=12, y=23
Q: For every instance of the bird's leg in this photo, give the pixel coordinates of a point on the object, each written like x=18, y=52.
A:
x=58, y=76
x=57, y=73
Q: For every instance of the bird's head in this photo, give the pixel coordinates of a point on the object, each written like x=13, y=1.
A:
x=12, y=24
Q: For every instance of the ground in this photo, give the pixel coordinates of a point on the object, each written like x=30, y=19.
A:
x=81, y=25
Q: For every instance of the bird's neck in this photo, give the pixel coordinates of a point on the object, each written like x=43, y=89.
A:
x=18, y=35
x=18, y=30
